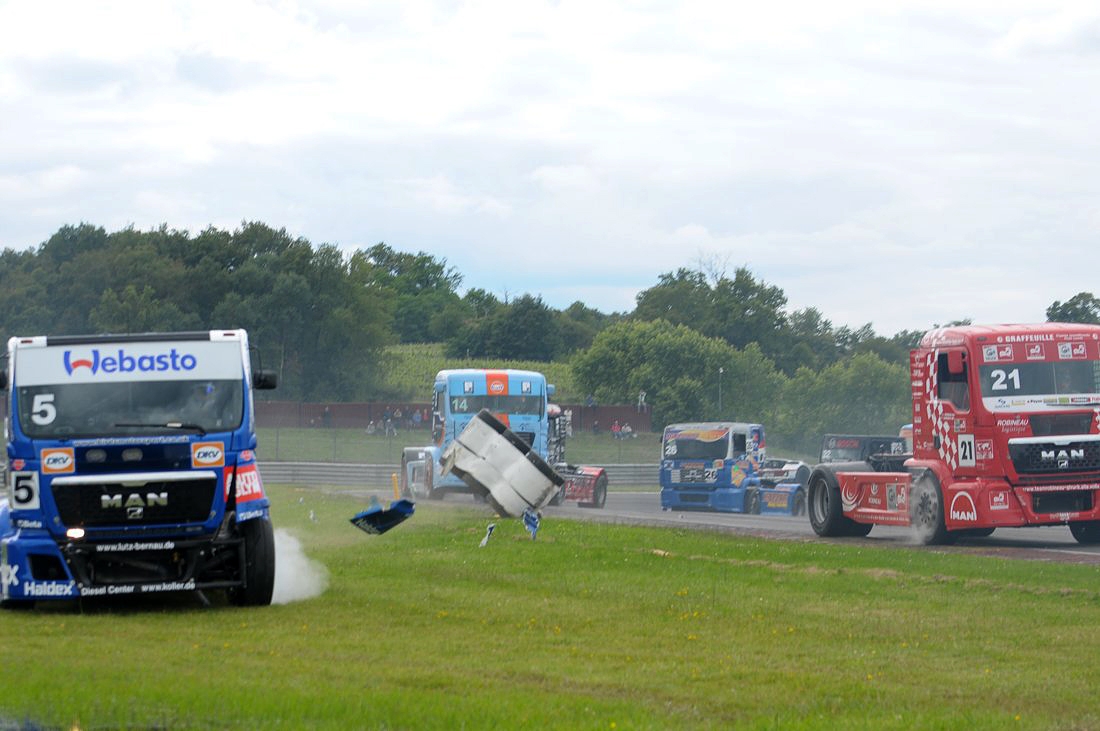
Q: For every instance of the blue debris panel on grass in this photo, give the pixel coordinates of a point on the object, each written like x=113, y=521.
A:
x=376, y=520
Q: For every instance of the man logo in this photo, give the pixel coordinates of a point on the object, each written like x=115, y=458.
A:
x=963, y=508
x=1063, y=458
x=134, y=503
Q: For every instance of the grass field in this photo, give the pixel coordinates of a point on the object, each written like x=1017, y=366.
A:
x=591, y=626
x=355, y=445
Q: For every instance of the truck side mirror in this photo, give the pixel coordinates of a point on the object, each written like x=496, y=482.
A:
x=955, y=364
x=264, y=380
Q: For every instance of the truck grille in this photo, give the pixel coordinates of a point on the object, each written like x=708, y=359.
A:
x=1062, y=502
x=120, y=503
x=1053, y=425
x=1050, y=458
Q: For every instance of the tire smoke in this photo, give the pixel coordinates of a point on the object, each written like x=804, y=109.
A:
x=297, y=576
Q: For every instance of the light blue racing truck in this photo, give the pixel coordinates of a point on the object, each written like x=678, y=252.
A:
x=131, y=469
x=720, y=466
x=518, y=399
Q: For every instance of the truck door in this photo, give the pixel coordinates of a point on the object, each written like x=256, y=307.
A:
x=957, y=425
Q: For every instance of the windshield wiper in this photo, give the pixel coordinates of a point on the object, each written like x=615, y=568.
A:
x=167, y=425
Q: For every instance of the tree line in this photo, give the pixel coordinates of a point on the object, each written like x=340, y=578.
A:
x=701, y=343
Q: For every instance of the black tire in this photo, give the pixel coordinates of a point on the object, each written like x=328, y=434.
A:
x=403, y=479
x=752, y=501
x=599, y=493
x=802, y=476
x=1086, y=531
x=824, y=507
x=259, y=564
x=434, y=493
x=798, y=503
x=13, y=605
x=926, y=512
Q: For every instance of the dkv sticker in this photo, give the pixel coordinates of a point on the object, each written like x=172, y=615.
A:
x=58, y=461
x=207, y=454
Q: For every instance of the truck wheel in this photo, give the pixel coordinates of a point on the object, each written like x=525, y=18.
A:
x=599, y=493
x=429, y=479
x=259, y=564
x=798, y=502
x=752, y=502
x=802, y=476
x=823, y=505
x=15, y=604
x=1086, y=531
x=926, y=512
x=403, y=480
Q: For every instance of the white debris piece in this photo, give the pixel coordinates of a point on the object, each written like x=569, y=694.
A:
x=493, y=460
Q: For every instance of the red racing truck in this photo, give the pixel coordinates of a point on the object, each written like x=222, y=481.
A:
x=1005, y=434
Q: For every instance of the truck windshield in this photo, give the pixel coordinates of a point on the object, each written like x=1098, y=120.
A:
x=1037, y=385
x=525, y=405
x=73, y=410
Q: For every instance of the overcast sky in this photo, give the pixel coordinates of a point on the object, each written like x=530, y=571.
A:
x=899, y=164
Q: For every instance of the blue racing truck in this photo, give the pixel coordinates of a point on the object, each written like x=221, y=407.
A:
x=519, y=399
x=719, y=466
x=131, y=468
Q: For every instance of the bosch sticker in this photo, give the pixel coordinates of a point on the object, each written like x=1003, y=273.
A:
x=58, y=461
x=207, y=454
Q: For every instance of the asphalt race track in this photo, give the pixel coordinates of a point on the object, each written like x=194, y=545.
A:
x=1052, y=543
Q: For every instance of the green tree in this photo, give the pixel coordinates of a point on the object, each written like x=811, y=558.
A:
x=681, y=371
x=740, y=310
x=862, y=394
x=135, y=311
x=681, y=298
x=1081, y=307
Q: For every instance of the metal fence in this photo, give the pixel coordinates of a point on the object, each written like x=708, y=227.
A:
x=381, y=476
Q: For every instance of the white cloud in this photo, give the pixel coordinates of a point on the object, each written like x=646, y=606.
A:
x=904, y=164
